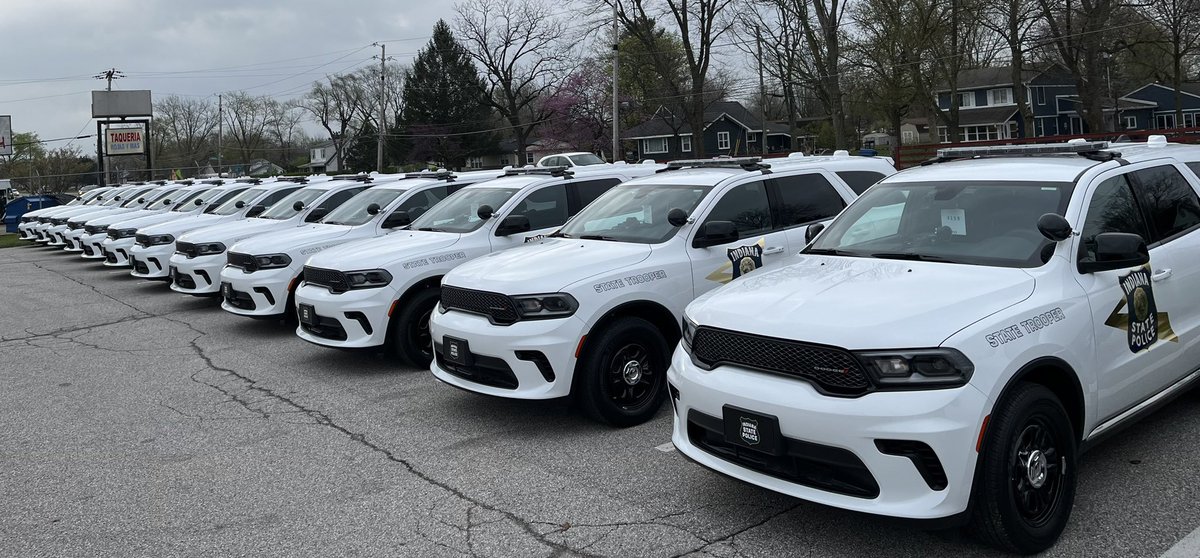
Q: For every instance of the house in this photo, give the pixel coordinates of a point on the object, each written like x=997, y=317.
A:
x=322, y=158
x=729, y=129
x=914, y=131
x=988, y=111
x=1152, y=107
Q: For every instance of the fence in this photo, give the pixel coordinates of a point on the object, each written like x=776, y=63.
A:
x=911, y=155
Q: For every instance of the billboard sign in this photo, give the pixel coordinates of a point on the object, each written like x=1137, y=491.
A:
x=125, y=141
x=106, y=104
x=6, y=141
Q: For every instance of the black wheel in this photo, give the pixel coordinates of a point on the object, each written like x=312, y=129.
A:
x=1026, y=486
x=408, y=335
x=624, y=373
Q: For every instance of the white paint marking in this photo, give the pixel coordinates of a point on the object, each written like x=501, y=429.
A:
x=1188, y=547
x=665, y=448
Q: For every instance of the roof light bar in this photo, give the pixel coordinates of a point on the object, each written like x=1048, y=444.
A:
x=745, y=163
x=1073, y=148
x=562, y=170
x=249, y=180
x=355, y=177
x=440, y=174
x=296, y=179
x=215, y=181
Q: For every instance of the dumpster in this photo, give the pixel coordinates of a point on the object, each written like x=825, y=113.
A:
x=19, y=206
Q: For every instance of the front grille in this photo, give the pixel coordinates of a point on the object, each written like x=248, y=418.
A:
x=326, y=328
x=485, y=370
x=74, y=225
x=832, y=370
x=243, y=261
x=186, y=248
x=87, y=249
x=139, y=266
x=331, y=279
x=110, y=257
x=239, y=299
x=142, y=240
x=497, y=307
x=184, y=280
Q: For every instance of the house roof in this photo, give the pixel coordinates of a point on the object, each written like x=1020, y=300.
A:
x=990, y=115
x=664, y=123
x=995, y=76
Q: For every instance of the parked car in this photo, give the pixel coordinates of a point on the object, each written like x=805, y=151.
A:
x=29, y=219
x=133, y=199
x=123, y=235
x=1029, y=301
x=573, y=159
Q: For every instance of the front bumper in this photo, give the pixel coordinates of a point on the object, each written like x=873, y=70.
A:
x=40, y=234
x=810, y=424
x=151, y=262
x=199, y=276
x=354, y=319
x=494, y=368
x=55, y=235
x=93, y=246
x=259, y=294
x=116, y=251
x=25, y=231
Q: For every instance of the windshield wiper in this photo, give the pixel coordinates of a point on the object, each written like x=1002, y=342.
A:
x=558, y=234
x=431, y=229
x=912, y=256
x=829, y=252
x=595, y=237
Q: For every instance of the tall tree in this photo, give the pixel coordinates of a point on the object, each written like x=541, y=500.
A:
x=1077, y=31
x=1179, y=22
x=1014, y=21
x=186, y=128
x=337, y=106
x=444, y=109
x=520, y=46
x=821, y=66
x=581, y=109
x=887, y=45
x=247, y=118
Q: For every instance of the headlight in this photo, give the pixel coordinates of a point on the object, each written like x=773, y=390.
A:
x=160, y=239
x=209, y=249
x=689, y=331
x=273, y=261
x=126, y=233
x=74, y=225
x=917, y=369
x=554, y=305
x=368, y=279
x=58, y=221
x=94, y=229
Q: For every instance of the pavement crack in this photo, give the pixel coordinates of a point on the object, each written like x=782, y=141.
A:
x=91, y=287
x=734, y=534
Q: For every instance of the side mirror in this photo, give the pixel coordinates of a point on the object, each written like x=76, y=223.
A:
x=240, y=204
x=373, y=209
x=485, y=212
x=713, y=233
x=256, y=210
x=316, y=214
x=677, y=217
x=812, y=231
x=199, y=202
x=140, y=200
x=1054, y=227
x=1117, y=251
x=298, y=206
x=513, y=224
x=396, y=219
x=166, y=202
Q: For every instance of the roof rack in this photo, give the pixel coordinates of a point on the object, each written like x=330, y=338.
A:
x=1094, y=150
x=562, y=170
x=744, y=163
x=215, y=181
x=296, y=179
x=249, y=180
x=355, y=177
x=439, y=174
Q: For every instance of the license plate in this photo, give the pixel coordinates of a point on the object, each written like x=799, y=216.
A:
x=752, y=430
x=226, y=290
x=456, y=351
x=308, y=315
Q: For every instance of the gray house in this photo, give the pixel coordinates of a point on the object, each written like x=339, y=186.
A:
x=1152, y=107
x=322, y=158
x=988, y=110
x=729, y=129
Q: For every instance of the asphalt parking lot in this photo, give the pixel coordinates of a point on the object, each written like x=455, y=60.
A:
x=137, y=421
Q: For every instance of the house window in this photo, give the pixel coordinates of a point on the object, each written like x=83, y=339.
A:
x=528, y=158
x=475, y=162
x=1040, y=93
x=751, y=138
x=504, y=160
x=722, y=140
x=1130, y=122
x=685, y=144
x=966, y=100
x=654, y=145
x=1000, y=96
x=1189, y=119
x=1164, y=121
x=943, y=134
x=318, y=155
x=908, y=136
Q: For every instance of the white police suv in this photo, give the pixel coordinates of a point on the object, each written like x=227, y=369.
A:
x=380, y=292
x=947, y=346
x=594, y=311
x=201, y=254
x=267, y=267
x=127, y=201
x=121, y=230
x=37, y=228
x=125, y=235
x=24, y=228
x=156, y=243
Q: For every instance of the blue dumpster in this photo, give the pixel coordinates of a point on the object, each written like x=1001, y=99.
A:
x=19, y=206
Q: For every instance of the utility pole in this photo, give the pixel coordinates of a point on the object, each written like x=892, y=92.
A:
x=107, y=75
x=762, y=94
x=220, y=131
x=616, y=126
x=382, y=105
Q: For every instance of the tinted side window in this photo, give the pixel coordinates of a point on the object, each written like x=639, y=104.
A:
x=806, y=198
x=1112, y=209
x=276, y=196
x=746, y=206
x=859, y=181
x=1170, y=201
x=421, y=202
x=339, y=198
x=545, y=208
x=588, y=190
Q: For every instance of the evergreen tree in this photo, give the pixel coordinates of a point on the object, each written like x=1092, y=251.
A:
x=361, y=156
x=444, y=110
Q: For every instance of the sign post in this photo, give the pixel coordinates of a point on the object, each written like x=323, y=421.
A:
x=6, y=140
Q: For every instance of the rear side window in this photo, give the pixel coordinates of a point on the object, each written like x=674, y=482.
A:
x=588, y=190
x=1112, y=209
x=276, y=196
x=859, y=181
x=806, y=198
x=544, y=208
x=420, y=202
x=1171, y=203
x=746, y=206
x=339, y=198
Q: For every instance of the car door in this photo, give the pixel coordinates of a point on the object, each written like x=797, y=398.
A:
x=748, y=207
x=1125, y=361
x=802, y=200
x=547, y=210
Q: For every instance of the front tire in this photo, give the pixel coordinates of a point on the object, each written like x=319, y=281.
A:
x=409, y=338
x=1026, y=486
x=624, y=373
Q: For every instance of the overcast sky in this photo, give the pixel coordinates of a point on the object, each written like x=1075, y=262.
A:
x=52, y=48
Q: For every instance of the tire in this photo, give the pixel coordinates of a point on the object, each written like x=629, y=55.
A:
x=616, y=391
x=408, y=334
x=289, y=317
x=1016, y=508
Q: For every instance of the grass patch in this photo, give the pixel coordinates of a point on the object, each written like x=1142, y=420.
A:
x=10, y=240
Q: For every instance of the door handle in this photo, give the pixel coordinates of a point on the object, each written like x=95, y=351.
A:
x=1160, y=275
x=773, y=250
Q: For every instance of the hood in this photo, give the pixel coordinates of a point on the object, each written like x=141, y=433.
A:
x=861, y=303
x=139, y=221
x=291, y=240
x=186, y=223
x=229, y=233
x=546, y=266
x=384, y=250
x=79, y=211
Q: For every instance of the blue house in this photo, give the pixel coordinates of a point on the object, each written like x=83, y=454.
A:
x=1152, y=107
x=729, y=129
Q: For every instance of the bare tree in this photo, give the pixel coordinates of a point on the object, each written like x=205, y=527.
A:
x=781, y=36
x=1014, y=21
x=820, y=24
x=520, y=46
x=247, y=118
x=1077, y=30
x=887, y=45
x=284, y=130
x=1179, y=21
x=337, y=106
x=185, y=128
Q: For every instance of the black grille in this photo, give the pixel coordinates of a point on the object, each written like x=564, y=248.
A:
x=74, y=225
x=327, y=328
x=497, y=307
x=186, y=248
x=110, y=257
x=142, y=240
x=93, y=229
x=331, y=279
x=244, y=261
x=87, y=249
x=486, y=370
x=113, y=234
x=184, y=280
x=139, y=266
x=239, y=299
x=832, y=370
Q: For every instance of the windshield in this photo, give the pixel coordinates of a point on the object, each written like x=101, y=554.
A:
x=978, y=223
x=86, y=199
x=585, y=159
x=283, y=208
x=131, y=198
x=458, y=213
x=229, y=206
x=634, y=213
x=216, y=199
x=354, y=211
x=188, y=201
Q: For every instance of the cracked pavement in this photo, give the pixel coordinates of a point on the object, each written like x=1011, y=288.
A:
x=138, y=421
